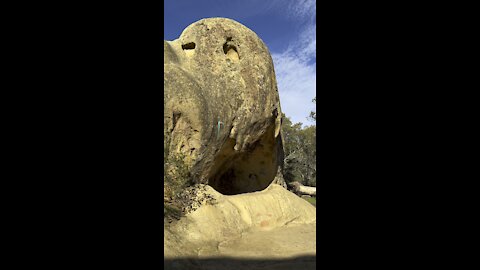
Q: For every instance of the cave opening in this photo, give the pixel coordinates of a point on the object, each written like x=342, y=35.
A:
x=238, y=172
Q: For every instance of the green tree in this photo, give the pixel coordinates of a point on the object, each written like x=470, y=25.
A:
x=176, y=172
x=313, y=115
x=300, y=152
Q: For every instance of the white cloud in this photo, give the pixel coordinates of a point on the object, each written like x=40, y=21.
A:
x=295, y=68
x=297, y=86
x=304, y=9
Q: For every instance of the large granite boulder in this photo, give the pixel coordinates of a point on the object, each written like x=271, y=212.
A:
x=222, y=108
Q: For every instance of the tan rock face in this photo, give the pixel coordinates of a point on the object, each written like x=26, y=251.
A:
x=222, y=107
x=270, y=223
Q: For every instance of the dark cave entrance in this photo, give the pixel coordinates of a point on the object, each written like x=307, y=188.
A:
x=247, y=171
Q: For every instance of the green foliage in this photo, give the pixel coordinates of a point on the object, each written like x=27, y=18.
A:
x=176, y=172
x=311, y=200
x=313, y=115
x=300, y=152
x=175, y=179
x=181, y=195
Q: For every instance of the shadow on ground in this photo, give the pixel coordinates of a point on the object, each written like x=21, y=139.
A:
x=224, y=263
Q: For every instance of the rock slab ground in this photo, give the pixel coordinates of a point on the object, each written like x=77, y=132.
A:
x=239, y=231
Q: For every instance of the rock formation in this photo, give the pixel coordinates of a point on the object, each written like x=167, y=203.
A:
x=222, y=112
x=272, y=217
x=222, y=108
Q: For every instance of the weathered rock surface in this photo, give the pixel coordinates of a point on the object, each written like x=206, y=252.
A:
x=222, y=107
x=222, y=111
x=273, y=223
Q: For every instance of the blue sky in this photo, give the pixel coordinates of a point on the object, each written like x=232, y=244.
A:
x=288, y=28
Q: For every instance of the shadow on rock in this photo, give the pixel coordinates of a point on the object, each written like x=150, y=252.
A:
x=224, y=263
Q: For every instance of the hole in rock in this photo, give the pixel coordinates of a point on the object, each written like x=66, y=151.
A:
x=188, y=46
x=230, y=50
x=247, y=171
